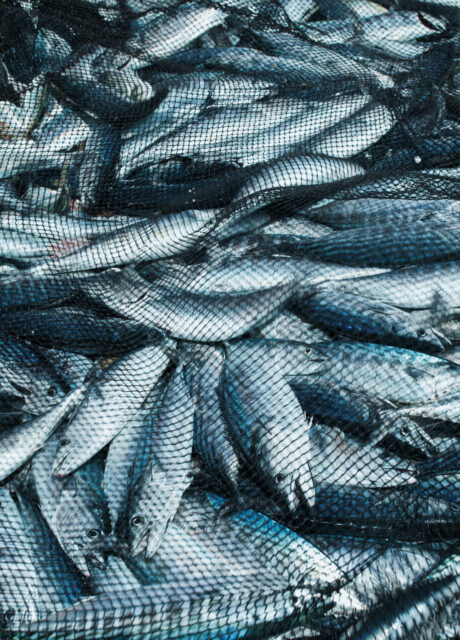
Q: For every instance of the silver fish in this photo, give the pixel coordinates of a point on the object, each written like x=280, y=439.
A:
x=276, y=441
x=167, y=474
x=107, y=406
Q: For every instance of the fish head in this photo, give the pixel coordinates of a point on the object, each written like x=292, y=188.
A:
x=409, y=434
x=141, y=522
x=428, y=338
x=148, y=515
x=81, y=527
x=287, y=468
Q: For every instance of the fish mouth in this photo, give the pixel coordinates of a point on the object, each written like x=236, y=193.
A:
x=305, y=489
x=441, y=339
x=140, y=545
x=96, y=559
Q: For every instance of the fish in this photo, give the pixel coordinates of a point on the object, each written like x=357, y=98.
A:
x=387, y=246
x=176, y=32
x=73, y=509
x=61, y=586
x=158, y=491
x=256, y=536
x=420, y=378
x=363, y=319
x=20, y=443
x=230, y=384
x=412, y=614
x=427, y=286
x=107, y=405
x=276, y=609
x=276, y=440
x=140, y=240
x=27, y=371
x=125, y=456
x=362, y=212
x=22, y=156
x=75, y=329
x=20, y=588
x=195, y=317
x=212, y=441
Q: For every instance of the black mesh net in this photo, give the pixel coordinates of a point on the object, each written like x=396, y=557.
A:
x=229, y=319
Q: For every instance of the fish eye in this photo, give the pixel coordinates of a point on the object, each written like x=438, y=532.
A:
x=9, y=614
x=280, y=477
x=137, y=520
x=421, y=332
x=92, y=533
x=64, y=442
x=52, y=391
x=404, y=431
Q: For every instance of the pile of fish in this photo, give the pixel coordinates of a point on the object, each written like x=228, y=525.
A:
x=230, y=309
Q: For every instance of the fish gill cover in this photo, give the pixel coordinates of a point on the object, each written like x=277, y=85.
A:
x=229, y=319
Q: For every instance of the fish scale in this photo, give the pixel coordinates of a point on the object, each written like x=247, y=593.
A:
x=229, y=245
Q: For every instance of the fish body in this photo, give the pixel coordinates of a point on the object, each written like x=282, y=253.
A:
x=158, y=491
x=273, y=439
x=107, y=406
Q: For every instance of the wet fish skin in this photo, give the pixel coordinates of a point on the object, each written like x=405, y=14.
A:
x=412, y=616
x=157, y=604
x=431, y=286
x=28, y=371
x=421, y=378
x=200, y=562
x=262, y=132
x=78, y=522
x=167, y=474
x=194, y=317
x=19, y=588
x=80, y=86
x=22, y=442
x=362, y=212
x=233, y=275
x=125, y=457
x=265, y=547
x=21, y=156
x=378, y=569
x=302, y=72
x=116, y=575
x=336, y=405
x=298, y=171
x=104, y=411
x=396, y=512
x=21, y=290
x=73, y=509
x=212, y=439
x=362, y=319
x=59, y=584
x=101, y=152
x=160, y=238
x=273, y=443
x=176, y=32
x=338, y=459
x=75, y=329
x=385, y=246
x=288, y=326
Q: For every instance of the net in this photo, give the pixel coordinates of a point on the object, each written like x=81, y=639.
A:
x=230, y=318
